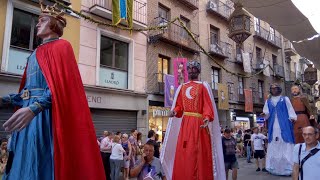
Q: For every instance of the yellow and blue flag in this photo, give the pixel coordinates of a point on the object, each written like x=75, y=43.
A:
x=122, y=9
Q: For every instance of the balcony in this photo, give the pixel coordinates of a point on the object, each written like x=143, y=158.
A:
x=258, y=97
x=174, y=34
x=260, y=65
x=220, y=49
x=289, y=49
x=192, y=4
x=219, y=9
x=158, y=84
x=265, y=35
x=278, y=70
x=103, y=8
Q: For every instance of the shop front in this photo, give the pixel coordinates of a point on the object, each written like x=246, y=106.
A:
x=158, y=120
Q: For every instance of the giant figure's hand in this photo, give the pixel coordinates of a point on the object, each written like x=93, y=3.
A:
x=19, y=120
x=172, y=114
x=205, y=123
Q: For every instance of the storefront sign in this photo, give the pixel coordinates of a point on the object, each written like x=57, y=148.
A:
x=17, y=60
x=113, y=78
x=160, y=112
x=223, y=97
x=94, y=99
x=248, y=100
x=180, y=71
x=169, y=90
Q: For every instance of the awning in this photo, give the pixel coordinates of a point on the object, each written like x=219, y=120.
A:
x=242, y=119
x=287, y=19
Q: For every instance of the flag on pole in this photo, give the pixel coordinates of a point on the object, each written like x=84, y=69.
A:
x=122, y=9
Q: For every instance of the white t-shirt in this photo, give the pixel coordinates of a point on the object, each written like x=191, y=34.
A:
x=257, y=140
x=117, y=152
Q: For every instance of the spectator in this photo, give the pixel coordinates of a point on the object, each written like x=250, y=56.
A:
x=140, y=145
x=239, y=142
x=247, y=144
x=229, y=146
x=3, y=163
x=151, y=134
x=307, y=156
x=148, y=167
x=116, y=158
x=152, y=138
x=3, y=147
x=106, y=149
x=127, y=147
x=257, y=140
x=105, y=134
x=134, y=146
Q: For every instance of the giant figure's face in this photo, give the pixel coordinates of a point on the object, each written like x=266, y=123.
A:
x=193, y=73
x=43, y=27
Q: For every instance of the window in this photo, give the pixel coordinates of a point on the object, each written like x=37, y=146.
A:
x=215, y=78
x=183, y=32
x=114, y=57
x=239, y=53
x=274, y=59
x=260, y=89
x=163, y=67
x=241, y=85
x=214, y=36
x=272, y=34
x=163, y=12
x=23, y=40
x=257, y=25
x=258, y=55
x=230, y=89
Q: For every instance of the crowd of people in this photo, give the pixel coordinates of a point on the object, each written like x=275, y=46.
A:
x=253, y=143
x=127, y=156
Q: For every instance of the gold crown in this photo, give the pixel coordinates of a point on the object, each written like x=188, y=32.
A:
x=53, y=11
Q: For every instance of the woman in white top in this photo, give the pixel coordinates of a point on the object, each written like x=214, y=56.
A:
x=116, y=158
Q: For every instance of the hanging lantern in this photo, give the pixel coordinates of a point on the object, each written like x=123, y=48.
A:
x=239, y=24
x=310, y=75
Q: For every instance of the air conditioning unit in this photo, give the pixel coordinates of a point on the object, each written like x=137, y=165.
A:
x=163, y=22
x=213, y=5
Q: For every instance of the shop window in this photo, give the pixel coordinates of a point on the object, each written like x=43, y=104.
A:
x=163, y=67
x=113, y=63
x=158, y=120
x=23, y=40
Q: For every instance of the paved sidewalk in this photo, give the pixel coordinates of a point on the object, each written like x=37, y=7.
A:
x=248, y=172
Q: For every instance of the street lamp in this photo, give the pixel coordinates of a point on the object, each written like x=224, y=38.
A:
x=239, y=24
x=310, y=75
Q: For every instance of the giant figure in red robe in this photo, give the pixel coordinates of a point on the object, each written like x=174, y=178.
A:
x=52, y=131
x=192, y=148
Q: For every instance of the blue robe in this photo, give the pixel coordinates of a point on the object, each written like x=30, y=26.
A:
x=32, y=148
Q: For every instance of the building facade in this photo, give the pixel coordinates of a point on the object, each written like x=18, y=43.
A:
x=164, y=46
x=18, y=40
x=112, y=64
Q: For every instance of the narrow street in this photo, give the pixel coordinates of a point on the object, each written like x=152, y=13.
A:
x=248, y=172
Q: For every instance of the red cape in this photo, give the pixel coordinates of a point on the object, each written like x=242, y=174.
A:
x=76, y=152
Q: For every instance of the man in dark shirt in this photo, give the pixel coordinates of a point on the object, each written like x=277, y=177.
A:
x=247, y=144
x=229, y=145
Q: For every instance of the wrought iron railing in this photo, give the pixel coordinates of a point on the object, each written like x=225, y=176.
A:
x=139, y=9
x=175, y=33
x=220, y=7
x=221, y=48
x=268, y=36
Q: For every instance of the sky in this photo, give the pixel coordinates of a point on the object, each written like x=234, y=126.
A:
x=311, y=9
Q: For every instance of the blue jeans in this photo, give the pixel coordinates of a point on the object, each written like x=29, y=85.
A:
x=248, y=153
